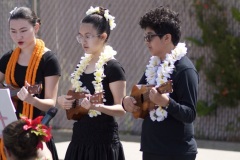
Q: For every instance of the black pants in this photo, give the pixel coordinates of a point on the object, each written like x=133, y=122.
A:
x=151, y=156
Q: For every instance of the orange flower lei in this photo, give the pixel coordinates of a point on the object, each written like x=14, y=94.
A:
x=31, y=73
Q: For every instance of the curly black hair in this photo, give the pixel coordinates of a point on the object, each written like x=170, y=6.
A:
x=163, y=21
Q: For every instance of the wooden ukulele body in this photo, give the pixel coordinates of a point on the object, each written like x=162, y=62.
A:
x=141, y=94
x=138, y=93
x=33, y=89
x=76, y=112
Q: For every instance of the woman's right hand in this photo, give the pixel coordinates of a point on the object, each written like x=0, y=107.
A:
x=129, y=104
x=65, y=102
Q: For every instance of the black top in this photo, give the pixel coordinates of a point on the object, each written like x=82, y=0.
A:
x=175, y=134
x=97, y=138
x=113, y=71
x=48, y=66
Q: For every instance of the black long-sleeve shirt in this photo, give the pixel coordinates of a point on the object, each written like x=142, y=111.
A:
x=175, y=134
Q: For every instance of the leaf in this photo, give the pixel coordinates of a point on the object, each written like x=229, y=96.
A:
x=236, y=14
x=199, y=63
x=204, y=109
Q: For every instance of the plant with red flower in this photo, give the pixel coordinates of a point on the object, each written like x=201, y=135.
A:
x=38, y=129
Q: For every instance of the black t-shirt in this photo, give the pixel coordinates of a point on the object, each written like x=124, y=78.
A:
x=113, y=72
x=175, y=134
x=103, y=128
x=48, y=66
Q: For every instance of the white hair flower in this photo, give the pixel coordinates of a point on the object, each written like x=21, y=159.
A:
x=11, y=12
x=92, y=10
x=109, y=18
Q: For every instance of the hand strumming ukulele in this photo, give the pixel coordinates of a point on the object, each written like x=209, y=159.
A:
x=141, y=94
x=33, y=89
x=76, y=112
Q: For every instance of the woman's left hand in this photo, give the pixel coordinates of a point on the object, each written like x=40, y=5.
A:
x=159, y=99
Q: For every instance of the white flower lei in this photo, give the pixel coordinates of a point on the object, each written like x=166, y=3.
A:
x=105, y=56
x=108, y=17
x=158, y=74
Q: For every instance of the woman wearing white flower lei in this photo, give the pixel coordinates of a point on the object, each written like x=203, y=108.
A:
x=97, y=71
x=96, y=56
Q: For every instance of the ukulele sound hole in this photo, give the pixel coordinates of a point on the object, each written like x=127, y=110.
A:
x=74, y=104
x=142, y=99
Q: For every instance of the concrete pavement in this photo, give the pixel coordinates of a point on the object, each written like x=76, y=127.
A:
x=207, y=150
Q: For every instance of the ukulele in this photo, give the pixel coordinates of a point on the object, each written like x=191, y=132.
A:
x=141, y=94
x=33, y=89
x=76, y=112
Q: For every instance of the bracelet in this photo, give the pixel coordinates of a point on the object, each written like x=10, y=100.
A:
x=166, y=107
x=123, y=104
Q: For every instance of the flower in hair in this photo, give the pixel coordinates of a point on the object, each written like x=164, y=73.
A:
x=38, y=129
x=92, y=10
x=13, y=10
x=109, y=18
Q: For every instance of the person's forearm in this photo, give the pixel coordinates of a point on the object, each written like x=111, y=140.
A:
x=113, y=110
x=42, y=104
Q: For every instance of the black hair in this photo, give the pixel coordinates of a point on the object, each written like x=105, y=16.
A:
x=21, y=143
x=163, y=21
x=25, y=13
x=99, y=22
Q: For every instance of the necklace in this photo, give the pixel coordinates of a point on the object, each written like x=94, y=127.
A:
x=31, y=72
x=158, y=72
x=104, y=57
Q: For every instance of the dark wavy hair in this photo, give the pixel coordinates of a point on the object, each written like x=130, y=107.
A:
x=163, y=21
x=99, y=22
x=21, y=143
x=25, y=13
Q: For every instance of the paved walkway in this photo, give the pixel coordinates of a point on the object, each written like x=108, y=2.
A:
x=207, y=150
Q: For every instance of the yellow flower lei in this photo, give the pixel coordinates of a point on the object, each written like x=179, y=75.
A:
x=31, y=72
x=105, y=56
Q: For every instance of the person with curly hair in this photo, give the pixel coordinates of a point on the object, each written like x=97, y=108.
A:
x=25, y=139
x=95, y=131
x=167, y=129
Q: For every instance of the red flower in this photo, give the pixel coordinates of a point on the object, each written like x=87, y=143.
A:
x=37, y=128
x=31, y=123
x=40, y=145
